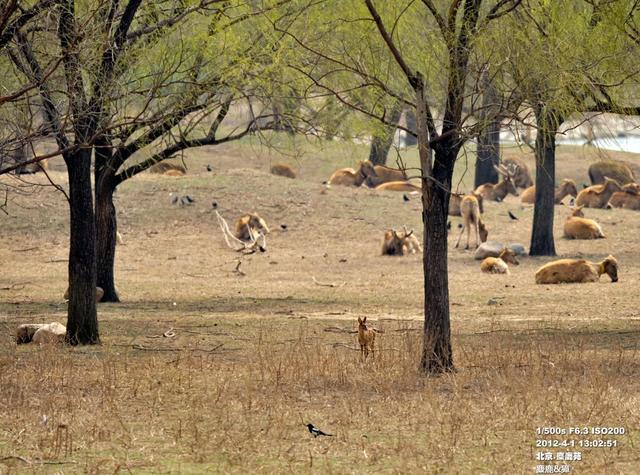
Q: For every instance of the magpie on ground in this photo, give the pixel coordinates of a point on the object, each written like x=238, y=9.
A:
x=316, y=432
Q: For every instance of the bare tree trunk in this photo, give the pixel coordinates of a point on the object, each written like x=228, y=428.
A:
x=488, y=153
x=437, y=356
x=106, y=228
x=542, y=243
x=82, y=318
x=106, y=221
x=381, y=143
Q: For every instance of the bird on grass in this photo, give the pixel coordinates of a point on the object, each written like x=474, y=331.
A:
x=316, y=432
x=406, y=197
x=512, y=216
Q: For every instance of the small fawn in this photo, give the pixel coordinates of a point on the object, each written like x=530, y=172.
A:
x=366, y=338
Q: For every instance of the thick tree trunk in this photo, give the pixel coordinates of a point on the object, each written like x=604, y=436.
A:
x=82, y=318
x=437, y=356
x=488, y=153
x=106, y=221
x=382, y=141
x=542, y=243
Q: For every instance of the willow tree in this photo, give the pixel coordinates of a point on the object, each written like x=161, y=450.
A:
x=564, y=59
x=372, y=53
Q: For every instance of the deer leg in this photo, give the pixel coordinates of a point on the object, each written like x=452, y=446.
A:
x=460, y=236
x=468, y=235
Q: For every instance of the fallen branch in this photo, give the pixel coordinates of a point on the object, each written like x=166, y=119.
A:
x=339, y=330
x=237, y=269
x=327, y=284
x=145, y=348
x=26, y=249
x=16, y=286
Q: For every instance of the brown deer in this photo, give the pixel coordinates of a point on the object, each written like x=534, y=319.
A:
x=499, y=265
x=522, y=177
x=566, y=188
x=456, y=200
x=168, y=169
x=578, y=227
x=345, y=177
x=400, y=243
x=470, y=210
x=366, y=338
x=497, y=192
x=577, y=270
x=628, y=198
x=597, y=196
x=284, y=170
x=617, y=170
x=375, y=175
x=399, y=186
x=249, y=226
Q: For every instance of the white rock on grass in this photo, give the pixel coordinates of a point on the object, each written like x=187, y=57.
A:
x=494, y=248
x=52, y=332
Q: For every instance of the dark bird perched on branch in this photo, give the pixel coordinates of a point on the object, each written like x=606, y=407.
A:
x=316, y=432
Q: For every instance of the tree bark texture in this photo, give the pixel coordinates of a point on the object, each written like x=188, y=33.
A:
x=488, y=153
x=382, y=141
x=437, y=356
x=82, y=317
x=542, y=243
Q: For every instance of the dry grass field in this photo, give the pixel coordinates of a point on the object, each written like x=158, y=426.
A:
x=253, y=356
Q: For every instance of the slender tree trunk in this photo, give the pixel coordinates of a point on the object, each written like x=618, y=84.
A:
x=437, y=356
x=82, y=318
x=106, y=221
x=381, y=143
x=106, y=228
x=488, y=153
x=542, y=243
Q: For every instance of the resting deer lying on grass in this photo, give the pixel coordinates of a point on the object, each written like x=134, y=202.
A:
x=400, y=243
x=578, y=227
x=470, y=209
x=255, y=231
x=399, y=186
x=499, y=265
x=345, y=177
x=577, y=270
x=249, y=226
x=366, y=338
x=492, y=192
x=567, y=187
x=628, y=198
x=597, y=196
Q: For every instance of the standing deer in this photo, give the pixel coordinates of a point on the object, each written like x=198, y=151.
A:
x=470, y=210
x=366, y=338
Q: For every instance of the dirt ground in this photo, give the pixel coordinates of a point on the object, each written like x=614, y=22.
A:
x=253, y=355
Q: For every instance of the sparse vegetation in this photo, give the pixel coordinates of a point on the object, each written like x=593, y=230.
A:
x=203, y=369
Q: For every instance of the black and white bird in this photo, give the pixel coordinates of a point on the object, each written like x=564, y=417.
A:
x=406, y=197
x=316, y=432
x=209, y=168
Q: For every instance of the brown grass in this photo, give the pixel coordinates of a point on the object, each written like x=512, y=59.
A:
x=256, y=356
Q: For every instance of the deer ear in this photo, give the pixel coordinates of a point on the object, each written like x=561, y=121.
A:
x=364, y=320
x=359, y=320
